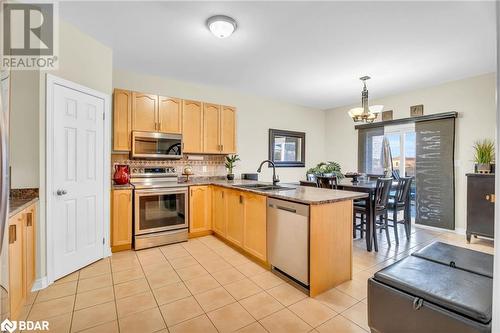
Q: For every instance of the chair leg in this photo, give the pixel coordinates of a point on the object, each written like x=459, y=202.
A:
x=386, y=227
x=362, y=225
x=407, y=222
x=374, y=235
x=395, y=224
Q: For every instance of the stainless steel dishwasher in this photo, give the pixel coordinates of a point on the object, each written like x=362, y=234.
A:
x=288, y=238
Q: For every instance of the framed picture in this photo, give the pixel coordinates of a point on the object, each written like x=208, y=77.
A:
x=387, y=115
x=417, y=110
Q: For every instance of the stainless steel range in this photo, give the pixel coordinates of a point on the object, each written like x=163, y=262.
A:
x=160, y=207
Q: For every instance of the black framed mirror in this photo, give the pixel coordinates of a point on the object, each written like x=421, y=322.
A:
x=287, y=148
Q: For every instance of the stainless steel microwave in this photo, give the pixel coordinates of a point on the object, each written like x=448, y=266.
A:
x=156, y=145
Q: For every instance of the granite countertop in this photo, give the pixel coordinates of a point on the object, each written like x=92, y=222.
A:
x=16, y=205
x=302, y=194
x=122, y=187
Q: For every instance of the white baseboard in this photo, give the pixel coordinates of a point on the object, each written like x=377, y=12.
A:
x=107, y=252
x=459, y=231
x=40, y=283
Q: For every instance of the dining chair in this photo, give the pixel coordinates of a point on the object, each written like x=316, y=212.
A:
x=401, y=202
x=327, y=182
x=380, y=206
x=308, y=183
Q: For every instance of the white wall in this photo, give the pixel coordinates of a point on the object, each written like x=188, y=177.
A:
x=473, y=98
x=255, y=115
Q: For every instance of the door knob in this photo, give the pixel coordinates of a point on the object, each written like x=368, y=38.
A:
x=61, y=192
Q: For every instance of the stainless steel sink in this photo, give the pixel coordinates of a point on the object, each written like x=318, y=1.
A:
x=265, y=187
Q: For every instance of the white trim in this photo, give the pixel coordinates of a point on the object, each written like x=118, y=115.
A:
x=40, y=283
x=51, y=81
x=495, y=314
x=459, y=231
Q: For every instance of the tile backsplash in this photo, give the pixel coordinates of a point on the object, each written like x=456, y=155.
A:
x=202, y=165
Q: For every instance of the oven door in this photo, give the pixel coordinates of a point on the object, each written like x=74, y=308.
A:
x=160, y=210
x=156, y=145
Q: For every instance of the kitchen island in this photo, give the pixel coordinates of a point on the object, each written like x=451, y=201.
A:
x=238, y=206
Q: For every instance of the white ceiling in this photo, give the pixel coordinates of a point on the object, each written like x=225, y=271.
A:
x=306, y=53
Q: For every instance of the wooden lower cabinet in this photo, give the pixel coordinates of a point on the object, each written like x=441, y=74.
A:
x=255, y=225
x=234, y=217
x=240, y=218
x=121, y=220
x=200, y=209
x=219, y=211
x=22, y=254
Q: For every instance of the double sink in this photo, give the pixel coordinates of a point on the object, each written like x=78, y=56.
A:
x=264, y=187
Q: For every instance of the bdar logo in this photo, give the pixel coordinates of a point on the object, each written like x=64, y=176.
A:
x=8, y=326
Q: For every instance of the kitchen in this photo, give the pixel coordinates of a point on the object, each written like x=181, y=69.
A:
x=155, y=187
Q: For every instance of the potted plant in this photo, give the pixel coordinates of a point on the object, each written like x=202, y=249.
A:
x=484, y=155
x=230, y=164
x=327, y=169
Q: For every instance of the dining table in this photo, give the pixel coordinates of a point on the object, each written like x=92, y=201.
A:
x=365, y=186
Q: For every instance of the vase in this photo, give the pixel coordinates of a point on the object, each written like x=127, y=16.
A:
x=483, y=168
x=230, y=176
x=122, y=174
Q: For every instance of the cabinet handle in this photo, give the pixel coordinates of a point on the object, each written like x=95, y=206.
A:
x=241, y=199
x=29, y=219
x=222, y=194
x=490, y=198
x=221, y=147
x=12, y=234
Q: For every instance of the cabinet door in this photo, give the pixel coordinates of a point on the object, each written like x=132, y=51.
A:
x=192, y=127
x=144, y=112
x=234, y=217
x=200, y=202
x=122, y=120
x=16, y=274
x=169, y=114
x=254, y=235
x=121, y=220
x=219, y=210
x=211, y=128
x=228, y=130
x=29, y=241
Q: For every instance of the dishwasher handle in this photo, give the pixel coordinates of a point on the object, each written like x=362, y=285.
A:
x=289, y=207
x=291, y=210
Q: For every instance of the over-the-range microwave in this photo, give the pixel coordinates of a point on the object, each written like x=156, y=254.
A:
x=155, y=145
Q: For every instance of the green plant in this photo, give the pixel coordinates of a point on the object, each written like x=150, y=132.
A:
x=325, y=168
x=231, y=162
x=484, y=151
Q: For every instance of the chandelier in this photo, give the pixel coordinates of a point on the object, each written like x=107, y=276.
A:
x=365, y=113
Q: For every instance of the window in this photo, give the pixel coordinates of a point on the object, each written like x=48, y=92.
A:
x=287, y=148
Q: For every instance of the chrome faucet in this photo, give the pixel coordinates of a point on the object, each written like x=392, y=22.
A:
x=276, y=178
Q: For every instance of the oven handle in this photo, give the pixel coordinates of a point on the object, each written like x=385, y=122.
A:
x=162, y=191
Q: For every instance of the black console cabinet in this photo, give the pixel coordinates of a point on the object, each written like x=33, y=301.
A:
x=480, y=205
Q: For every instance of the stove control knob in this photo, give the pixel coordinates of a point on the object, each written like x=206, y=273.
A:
x=134, y=170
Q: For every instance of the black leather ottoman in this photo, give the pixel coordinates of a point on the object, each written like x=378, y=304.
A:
x=441, y=288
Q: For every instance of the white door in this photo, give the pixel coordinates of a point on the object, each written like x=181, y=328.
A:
x=77, y=179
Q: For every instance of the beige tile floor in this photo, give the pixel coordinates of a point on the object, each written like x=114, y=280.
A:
x=206, y=286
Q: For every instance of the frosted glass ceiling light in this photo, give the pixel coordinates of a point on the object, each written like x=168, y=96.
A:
x=365, y=113
x=221, y=26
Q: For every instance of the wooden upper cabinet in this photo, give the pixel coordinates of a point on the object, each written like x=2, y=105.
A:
x=121, y=220
x=122, y=120
x=234, y=217
x=192, y=126
x=211, y=128
x=144, y=112
x=200, y=208
x=254, y=235
x=16, y=272
x=169, y=115
x=228, y=130
x=219, y=210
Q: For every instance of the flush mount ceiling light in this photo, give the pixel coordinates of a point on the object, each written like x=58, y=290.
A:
x=365, y=113
x=221, y=26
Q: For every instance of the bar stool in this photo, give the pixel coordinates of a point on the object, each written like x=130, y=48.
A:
x=401, y=201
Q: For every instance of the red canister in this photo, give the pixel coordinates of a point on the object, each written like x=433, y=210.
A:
x=122, y=174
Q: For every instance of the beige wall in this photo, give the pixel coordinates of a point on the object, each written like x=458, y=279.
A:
x=255, y=116
x=473, y=98
x=24, y=153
